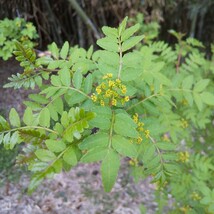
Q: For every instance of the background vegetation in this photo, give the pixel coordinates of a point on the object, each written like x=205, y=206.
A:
x=58, y=20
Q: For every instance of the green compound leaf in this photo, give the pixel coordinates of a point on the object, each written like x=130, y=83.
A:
x=109, y=169
x=55, y=145
x=45, y=155
x=124, y=146
x=14, y=118
x=64, y=50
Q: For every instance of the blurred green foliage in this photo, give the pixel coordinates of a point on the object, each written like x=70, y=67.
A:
x=17, y=29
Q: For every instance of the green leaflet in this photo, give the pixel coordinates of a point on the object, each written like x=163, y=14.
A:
x=109, y=169
x=74, y=97
x=102, y=119
x=129, y=32
x=58, y=105
x=6, y=140
x=198, y=100
x=14, y=118
x=77, y=79
x=70, y=156
x=45, y=155
x=74, y=122
x=124, y=146
x=35, y=182
x=65, y=76
x=107, y=44
x=131, y=42
x=88, y=84
x=54, y=50
x=122, y=26
x=55, y=145
x=125, y=126
x=38, y=98
x=64, y=50
x=90, y=52
x=201, y=85
x=14, y=139
x=187, y=82
x=110, y=32
x=94, y=155
x=166, y=146
x=55, y=80
x=149, y=153
x=4, y=125
x=57, y=166
x=95, y=140
x=28, y=117
x=44, y=117
x=207, y=98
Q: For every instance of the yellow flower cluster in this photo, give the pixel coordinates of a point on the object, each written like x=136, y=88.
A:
x=195, y=196
x=110, y=92
x=184, y=123
x=184, y=156
x=140, y=128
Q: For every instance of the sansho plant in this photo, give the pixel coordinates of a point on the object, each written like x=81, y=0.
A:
x=114, y=103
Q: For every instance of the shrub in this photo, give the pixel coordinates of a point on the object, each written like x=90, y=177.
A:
x=17, y=29
x=119, y=102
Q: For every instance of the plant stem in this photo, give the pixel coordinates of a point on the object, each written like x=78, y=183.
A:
x=84, y=17
x=120, y=60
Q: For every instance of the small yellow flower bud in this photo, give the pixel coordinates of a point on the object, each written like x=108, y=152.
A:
x=94, y=97
x=109, y=75
x=102, y=103
x=111, y=83
x=139, y=140
x=126, y=99
x=123, y=89
x=114, y=102
x=98, y=90
x=147, y=132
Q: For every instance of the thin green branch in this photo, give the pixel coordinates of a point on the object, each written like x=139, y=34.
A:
x=111, y=130
x=30, y=127
x=142, y=101
x=74, y=89
x=120, y=60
